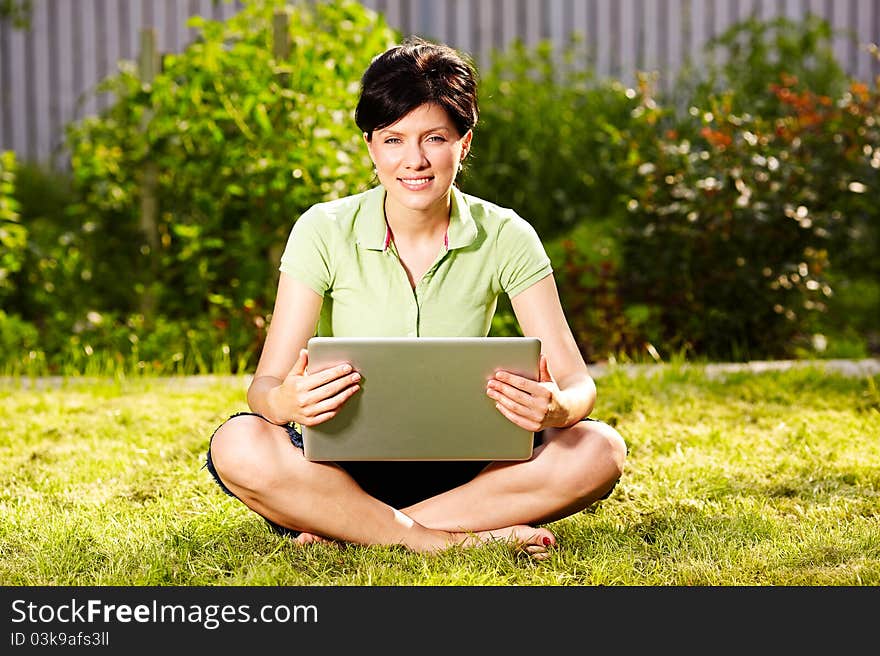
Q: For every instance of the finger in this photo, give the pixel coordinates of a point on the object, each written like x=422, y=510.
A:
x=331, y=404
x=330, y=391
x=523, y=409
x=319, y=419
x=299, y=367
x=520, y=421
x=517, y=394
x=545, y=376
x=320, y=378
x=525, y=384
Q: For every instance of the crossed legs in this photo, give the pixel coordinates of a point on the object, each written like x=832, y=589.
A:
x=571, y=470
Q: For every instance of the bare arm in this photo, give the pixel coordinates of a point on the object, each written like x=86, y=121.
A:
x=282, y=390
x=557, y=399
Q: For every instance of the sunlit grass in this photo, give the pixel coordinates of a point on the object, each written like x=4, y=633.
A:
x=739, y=479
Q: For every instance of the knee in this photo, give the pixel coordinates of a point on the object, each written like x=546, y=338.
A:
x=598, y=459
x=236, y=452
x=611, y=449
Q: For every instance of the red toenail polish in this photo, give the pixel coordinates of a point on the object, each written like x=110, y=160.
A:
x=546, y=542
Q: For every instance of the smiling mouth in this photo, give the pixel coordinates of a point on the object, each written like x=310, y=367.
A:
x=416, y=183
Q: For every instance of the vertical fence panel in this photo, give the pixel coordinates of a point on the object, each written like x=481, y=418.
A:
x=17, y=134
x=840, y=16
x=415, y=17
x=460, y=19
x=819, y=8
x=88, y=44
x=508, y=22
x=654, y=27
x=5, y=85
x=579, y=21
x=30, y=72
x=99, y=26
x=175, y=11
x=42, y=69
x=532, y=25
x=484, y=19
x=605, y=39
x=65, y=93
x=392, y=12
x=112, y=40
x=497, y=28
x=875, y=40
x=687, y=36
x=557, y=27
x=865, y=23
x=53, y=32
x=766, y=9
x=791, y=9
x=129, y=19
x=435, y=19
x=631, y=40
x=696, y=27
x=193, y=8
x=677, y=41
x=425, y=18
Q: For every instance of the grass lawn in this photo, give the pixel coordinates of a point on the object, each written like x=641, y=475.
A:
x=745, y=479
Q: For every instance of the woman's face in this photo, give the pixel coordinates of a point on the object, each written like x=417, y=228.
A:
x=418, y=157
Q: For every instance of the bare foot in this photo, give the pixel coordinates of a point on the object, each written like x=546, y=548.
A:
x=309, y=538
x=536, y=542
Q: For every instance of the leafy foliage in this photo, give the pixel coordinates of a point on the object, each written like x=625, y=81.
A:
x=17, y=11
x=741, y=218
x=13, y=235
x=551, y=138
x=245, y=136
x=754, y=53
x=734, y=218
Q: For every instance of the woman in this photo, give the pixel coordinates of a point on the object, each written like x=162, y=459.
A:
x=415, y=256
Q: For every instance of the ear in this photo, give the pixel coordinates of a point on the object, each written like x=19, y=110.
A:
x=466, y=143
x=369, y=143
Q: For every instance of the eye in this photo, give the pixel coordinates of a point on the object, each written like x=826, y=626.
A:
x=436, y=138
x=392, y=140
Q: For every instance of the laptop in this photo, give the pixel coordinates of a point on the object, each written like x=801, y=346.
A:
x=422, y=398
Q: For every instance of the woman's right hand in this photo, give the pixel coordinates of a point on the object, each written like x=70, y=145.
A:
x=311, y=399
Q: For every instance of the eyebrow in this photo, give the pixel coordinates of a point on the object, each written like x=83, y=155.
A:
x=439, y=128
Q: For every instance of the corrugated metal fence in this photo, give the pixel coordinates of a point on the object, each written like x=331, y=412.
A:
x=47, y=72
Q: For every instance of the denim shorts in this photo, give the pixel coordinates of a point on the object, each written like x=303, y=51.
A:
x=397, y=483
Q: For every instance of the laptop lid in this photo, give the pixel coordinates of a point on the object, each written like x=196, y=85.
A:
x=422, y=398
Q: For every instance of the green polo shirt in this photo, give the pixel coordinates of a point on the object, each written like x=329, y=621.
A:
x=342, y=250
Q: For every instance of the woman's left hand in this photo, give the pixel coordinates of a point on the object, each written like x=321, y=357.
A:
x=531, y=404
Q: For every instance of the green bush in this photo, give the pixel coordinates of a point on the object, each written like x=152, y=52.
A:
x=744, y=60
x=732, y=236
x=735, y=218
x=551, y=138
x=20, y=347
x=244, y=139
x=13, y=235
x=53, y=283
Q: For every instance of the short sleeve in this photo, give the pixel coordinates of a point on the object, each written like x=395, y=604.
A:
x=306, y=256
x=522, y=260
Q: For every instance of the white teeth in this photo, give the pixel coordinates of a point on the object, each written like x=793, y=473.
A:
x=417, y=181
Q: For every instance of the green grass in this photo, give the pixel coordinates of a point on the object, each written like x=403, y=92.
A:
x=750, y=479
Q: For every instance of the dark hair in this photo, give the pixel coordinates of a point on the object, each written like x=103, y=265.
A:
x=412, y=74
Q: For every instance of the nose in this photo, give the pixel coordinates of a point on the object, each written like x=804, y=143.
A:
x=414, y=157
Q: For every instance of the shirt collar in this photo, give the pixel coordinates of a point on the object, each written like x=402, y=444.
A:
x=371, y=230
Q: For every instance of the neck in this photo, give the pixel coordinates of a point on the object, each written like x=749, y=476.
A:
x=418, y=225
